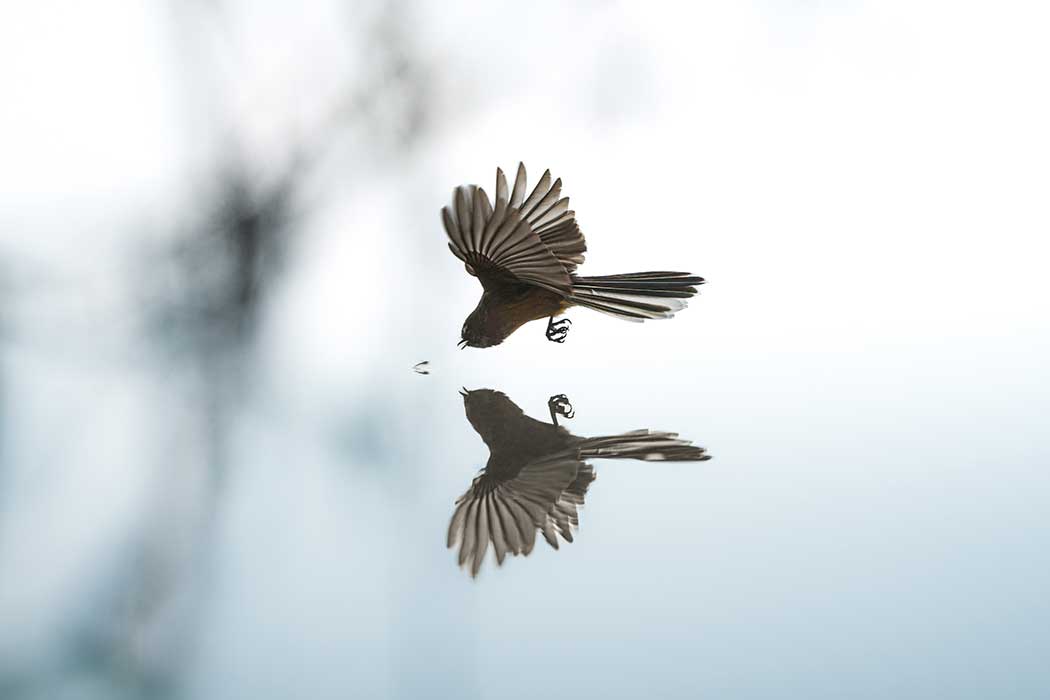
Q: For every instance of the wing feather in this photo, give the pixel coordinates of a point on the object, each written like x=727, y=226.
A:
x=543, y=205
x=501, y=186
x=482, y=542
x=499, y=542
x=470, y=531
x=478, y=217
x=498, y=241
x=551, y=214
x=538, y=193
x=463, y=215
x=509, y=512
x=518, y=195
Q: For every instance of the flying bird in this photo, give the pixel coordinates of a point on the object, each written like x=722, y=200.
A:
x=524, y=251
x=537, y=476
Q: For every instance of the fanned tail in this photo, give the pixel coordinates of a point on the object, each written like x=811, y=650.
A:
x=647, y=445
x=636, y=296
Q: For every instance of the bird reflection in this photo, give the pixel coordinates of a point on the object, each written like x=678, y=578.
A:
x=537, y=475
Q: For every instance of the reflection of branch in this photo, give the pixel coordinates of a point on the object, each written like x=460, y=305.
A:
x=218, y=273
x=207, y=293
x=240, y=243
x=394, y=97
x=200, y=300
x=4, y=334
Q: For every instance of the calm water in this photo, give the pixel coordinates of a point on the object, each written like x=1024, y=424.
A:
x=864, y=527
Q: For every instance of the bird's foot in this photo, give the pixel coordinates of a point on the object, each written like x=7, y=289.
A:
x=558, y=331
x=559, y=406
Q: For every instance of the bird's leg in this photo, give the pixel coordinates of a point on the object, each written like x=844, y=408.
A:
x=559, y=406
x=557, y=332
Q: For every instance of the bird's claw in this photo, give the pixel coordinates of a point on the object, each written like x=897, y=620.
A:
x=558, y=331
x=559, y=406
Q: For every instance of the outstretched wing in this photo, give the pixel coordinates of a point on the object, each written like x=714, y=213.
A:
x=532, y=239
x=549, y=216
x=544, y=497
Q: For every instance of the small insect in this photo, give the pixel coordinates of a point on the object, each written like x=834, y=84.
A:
x=421, y=367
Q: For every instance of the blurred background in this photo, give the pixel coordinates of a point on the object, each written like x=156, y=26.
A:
x=221, y=255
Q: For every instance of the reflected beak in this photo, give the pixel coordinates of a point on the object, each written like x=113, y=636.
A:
x=462, y=344
x=464, y=391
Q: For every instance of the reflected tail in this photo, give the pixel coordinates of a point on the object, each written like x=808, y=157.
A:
x=645, y=445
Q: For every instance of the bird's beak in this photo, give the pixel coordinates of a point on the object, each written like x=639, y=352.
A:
x=462, y=344
x=464, y=391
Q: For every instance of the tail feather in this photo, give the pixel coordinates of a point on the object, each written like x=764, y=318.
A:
x=651, y=275
x=647, y=445
x=636, y=296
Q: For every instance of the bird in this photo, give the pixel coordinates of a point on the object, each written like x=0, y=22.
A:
x=537, y=476
x=525, y=251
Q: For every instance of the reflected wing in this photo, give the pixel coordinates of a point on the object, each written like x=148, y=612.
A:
x=533, y=239
x=545, y=496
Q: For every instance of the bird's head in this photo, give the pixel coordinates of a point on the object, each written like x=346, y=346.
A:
x=493, y=416
x=475, y=332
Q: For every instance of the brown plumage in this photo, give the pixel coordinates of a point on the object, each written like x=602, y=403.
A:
x=525, y=250
x=536, y=477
